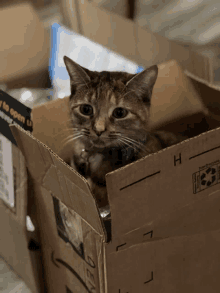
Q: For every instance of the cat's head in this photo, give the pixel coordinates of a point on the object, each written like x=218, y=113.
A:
x=110, y=109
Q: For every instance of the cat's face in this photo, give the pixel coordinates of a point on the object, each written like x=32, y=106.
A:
x=109, y=109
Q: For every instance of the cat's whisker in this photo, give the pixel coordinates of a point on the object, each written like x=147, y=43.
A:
x=138, y=144
x=128, y=140
x=120, y=143
x=132, y=145
x=72, y=139
x=122, y=138
x=66, y=130
x=127, y=143
x=77, y=131
x=71, y=136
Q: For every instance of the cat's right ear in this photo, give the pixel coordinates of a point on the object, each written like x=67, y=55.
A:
x=78, y=75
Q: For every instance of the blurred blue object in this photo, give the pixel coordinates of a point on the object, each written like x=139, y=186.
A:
x=83, y=51
x=140, y=68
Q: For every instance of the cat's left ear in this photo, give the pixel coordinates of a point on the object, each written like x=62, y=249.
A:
x=78, y=75
x=144, y=81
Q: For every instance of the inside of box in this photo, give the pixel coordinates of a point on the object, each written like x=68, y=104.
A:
x=173, y=98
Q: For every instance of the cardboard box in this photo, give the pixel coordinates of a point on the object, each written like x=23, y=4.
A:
x=165, y=220
x=160, y=232
x=19, y=246
x=204, y=66
x=99, y=22
x=24, y=43
x=165, y=227
x=108, y=29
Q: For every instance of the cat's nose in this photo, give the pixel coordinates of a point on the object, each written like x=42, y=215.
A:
x=98, y=133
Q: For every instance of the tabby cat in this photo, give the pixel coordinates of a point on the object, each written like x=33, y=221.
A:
x=109, y=113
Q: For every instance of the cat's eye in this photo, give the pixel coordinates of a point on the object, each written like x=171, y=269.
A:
x=86, y=109
x=119, y=113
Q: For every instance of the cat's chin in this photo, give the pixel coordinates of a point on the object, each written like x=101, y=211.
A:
x=98, y=145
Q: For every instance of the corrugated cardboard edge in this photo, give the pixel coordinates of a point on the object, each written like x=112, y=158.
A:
x=99, y=238
x=97, y=23
x=163, y=150
x=202, y=80
x=15, y=129
x=107, y=29
x=15, y=250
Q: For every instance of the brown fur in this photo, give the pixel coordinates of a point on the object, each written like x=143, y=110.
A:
x=110, y=142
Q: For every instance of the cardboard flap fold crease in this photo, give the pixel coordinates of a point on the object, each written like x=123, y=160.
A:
x=65, y=184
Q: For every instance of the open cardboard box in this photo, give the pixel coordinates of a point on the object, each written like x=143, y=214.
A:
x=165, y=227
x=165, y=207
x=165, y=220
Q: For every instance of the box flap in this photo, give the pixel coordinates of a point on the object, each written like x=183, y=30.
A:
x=94, y=21
x=163, y=182
x=173, y=95
x=72, y=250
x=138, y=44
x=53, y=117
x=179, y=264
x=58, y=178
x=204, y=66
x=199, y=217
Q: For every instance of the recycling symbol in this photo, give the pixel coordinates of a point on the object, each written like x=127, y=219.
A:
x=208, y=177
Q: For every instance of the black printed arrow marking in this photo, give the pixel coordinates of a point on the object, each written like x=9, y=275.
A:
x=70, y=269
x=120, y=246
x=151, y=279
x=53, y=261
x=151, y=233
x=139, y=180
x=204, y=152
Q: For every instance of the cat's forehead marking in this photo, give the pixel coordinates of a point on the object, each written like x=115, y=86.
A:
x=113, y=99
x=93, y=97
x=108, y=95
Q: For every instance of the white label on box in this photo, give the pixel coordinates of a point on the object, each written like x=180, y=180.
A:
x=6, y=171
